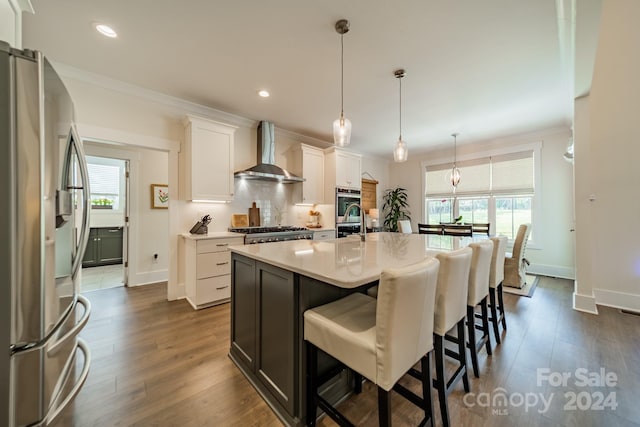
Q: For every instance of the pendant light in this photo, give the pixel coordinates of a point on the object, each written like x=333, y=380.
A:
x=455, y=172
x=342, y=126
x=400, y=152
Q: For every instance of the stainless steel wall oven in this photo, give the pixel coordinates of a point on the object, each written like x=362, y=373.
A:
x=351, y=224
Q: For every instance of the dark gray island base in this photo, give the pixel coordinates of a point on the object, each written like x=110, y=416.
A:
x=267, y=340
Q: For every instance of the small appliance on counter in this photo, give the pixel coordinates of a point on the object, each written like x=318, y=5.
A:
x=201, y=227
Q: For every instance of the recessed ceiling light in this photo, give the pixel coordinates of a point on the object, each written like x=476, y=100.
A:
x=263, y=93
x=106, y=30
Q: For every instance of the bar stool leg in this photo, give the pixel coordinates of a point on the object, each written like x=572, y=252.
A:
x=471, y=329
x=312, y=373
x=494, y=314
x=501, y=302
x=463, y=355
x=485, y=324
x=357, y=378
x=425, y=365
x=384, y=403
x=441, y=379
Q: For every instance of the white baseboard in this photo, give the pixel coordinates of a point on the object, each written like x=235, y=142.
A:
x=148, y=277
x=552, y=270
x=585, y=303
x=615, y=299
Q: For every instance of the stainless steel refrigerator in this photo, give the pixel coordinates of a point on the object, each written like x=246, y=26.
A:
x=44, y=219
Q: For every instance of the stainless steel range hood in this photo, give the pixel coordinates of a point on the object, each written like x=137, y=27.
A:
x=265, y=170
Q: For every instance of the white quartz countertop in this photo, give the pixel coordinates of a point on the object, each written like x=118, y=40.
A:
x=348, y=262
x=212, y=235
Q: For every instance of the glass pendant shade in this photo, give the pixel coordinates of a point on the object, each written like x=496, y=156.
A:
x=400, y=152
x=455, y=176
x=342, y=131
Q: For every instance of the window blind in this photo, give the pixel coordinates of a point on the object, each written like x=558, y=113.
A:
x=104, y=179
x=505, y=174
x=512, y=173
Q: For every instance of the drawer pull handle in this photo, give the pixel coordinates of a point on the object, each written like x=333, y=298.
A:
x=222, y=263
x=114, y=231
x=222, y=244
x=222, y=287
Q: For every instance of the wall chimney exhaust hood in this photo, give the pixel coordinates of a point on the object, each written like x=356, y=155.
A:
x=265, y=170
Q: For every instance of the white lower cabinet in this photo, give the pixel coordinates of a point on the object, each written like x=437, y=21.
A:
x=208, y=269
x=324, y=234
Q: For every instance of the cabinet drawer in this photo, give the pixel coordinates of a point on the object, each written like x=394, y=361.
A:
x=324, y=235
x=218, y=245
x=213, y=289
x=213, y=264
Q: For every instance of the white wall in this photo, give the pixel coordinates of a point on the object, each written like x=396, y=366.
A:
x=606, y=164
x=553, y=253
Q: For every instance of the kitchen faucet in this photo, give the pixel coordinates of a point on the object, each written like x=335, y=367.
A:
x=363, y=225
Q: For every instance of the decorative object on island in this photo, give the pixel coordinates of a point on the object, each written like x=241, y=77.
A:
x=400, y=152
x=342, y=125
x=374, y=214
x=395, y=207
x=159, y=196
x=455, y=172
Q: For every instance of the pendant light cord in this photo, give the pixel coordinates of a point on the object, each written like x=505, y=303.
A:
x=400, y=80
x=341, y=75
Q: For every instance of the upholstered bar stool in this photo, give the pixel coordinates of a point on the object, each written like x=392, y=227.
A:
x=478, y=293
x=496, y=276
x=450, y=312
x=379, y=339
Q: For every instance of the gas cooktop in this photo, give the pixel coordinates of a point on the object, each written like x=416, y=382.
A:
x=273, y=234
x=270, y=229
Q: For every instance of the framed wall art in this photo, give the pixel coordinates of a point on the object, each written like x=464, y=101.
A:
x=159, y=196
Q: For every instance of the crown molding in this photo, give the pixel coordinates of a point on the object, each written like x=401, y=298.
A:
x=184, y=107
x=316, y=142
x=22, y=6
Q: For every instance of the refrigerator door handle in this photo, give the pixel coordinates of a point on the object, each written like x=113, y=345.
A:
x=55, y=410
x=84, y=173
x=54, y=349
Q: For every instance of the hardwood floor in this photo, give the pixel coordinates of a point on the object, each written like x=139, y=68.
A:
x=160, y=363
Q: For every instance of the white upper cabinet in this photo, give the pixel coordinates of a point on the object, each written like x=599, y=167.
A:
x=342, y=169
x=206, y=160
x=309, y=163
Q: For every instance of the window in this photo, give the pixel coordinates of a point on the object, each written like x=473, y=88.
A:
x=106, y=180
x=498, y=189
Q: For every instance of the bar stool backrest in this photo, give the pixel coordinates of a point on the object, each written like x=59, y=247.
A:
x=479, y=273
x=496, y=274
x=404, y=318
x=452, y=290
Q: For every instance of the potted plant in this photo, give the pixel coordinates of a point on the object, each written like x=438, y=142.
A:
x=395, y=207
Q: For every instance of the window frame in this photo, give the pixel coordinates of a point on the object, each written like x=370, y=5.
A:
x=536, y=208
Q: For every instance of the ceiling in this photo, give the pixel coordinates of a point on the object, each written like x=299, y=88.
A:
x=485, y=69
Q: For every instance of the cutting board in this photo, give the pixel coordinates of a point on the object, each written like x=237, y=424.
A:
x=239, y=220
x=254, y=216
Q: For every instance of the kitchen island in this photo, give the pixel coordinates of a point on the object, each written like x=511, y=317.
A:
x=274, y=283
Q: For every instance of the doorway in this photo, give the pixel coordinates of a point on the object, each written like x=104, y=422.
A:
x=105, y=261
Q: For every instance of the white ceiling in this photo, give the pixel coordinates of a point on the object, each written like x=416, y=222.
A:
x=485, y=69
